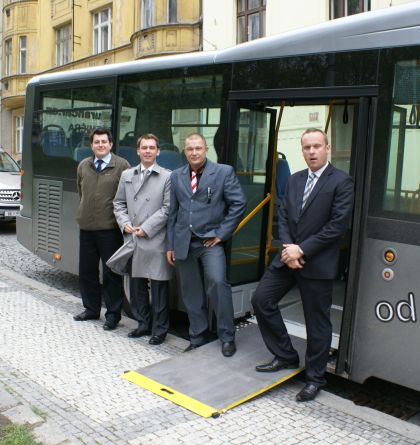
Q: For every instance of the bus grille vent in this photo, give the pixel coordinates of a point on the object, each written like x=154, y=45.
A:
x=49, y=197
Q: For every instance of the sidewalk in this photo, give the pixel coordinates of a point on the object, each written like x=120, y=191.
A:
x=64, y=377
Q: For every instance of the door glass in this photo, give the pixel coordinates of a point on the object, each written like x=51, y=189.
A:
x=253, y=130
x=402, y=186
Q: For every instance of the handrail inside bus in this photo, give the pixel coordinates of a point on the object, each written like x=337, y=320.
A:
x=272, y=189
x=330, y=109
x=252, y=213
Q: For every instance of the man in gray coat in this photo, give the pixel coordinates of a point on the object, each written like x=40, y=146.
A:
x=141, y=207
x=207, y=203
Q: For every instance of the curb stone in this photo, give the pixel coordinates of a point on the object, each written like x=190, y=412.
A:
x=14, y=411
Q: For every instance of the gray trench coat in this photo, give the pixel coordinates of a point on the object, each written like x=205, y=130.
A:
x=147, y=206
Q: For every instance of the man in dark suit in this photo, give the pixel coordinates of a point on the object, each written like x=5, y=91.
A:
x=314, y=214
x=207, y=203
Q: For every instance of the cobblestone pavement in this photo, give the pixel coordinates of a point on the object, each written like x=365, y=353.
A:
x=70, y=372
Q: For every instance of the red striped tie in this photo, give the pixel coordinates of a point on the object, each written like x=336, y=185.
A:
x=194, y=181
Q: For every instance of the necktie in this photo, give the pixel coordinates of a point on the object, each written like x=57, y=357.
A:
x=99, y=163
x=143, y=174
x=194, y=181
x=308, y=188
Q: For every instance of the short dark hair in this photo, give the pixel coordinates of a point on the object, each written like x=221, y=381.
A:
x=147, y=136
x=315, y=130
x=100, y=131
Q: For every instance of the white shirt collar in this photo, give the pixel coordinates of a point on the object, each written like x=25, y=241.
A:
x=106, y=160
x=318, y=172
x=143, y=168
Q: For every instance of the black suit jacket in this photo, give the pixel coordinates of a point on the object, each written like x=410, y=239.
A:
x=318, y=227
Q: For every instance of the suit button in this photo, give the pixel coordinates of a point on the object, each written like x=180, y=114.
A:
x=190, y=226
x=147, y=199
x=135, y=199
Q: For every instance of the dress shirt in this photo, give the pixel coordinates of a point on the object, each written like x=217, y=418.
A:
x=105, y=161
x=317, y=173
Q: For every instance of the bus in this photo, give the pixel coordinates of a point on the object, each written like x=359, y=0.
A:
x=356, y=77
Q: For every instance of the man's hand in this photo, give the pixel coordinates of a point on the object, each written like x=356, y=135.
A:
x=128, y=228
x=170, y=256
x=295, y=264
x=211, y=242
x=290, y=252
x=139, y=232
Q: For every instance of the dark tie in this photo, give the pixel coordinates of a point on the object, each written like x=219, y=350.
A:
x=194, y=181
x=308, y=188
x=99, y=163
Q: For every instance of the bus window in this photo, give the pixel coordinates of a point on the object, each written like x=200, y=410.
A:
x=63, y=124
x=171, y=109
x=402, y=185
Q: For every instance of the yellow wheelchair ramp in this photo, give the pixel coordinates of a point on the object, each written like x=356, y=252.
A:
x=208, y=384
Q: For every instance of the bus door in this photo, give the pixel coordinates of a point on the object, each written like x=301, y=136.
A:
x=264, y=158
x=251, y=147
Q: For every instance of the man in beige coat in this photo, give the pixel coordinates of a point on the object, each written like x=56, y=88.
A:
x=141, y=207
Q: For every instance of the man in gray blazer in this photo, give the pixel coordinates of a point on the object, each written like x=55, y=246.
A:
x=141, y=207
x=207, y=203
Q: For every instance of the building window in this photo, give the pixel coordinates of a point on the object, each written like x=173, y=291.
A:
x=342, y=8
x=22, y=54
x=102, y=30
x=8, y=57
x=62, y=45
x=172, y=11
x=147, y=13
x=19, y=134
x=250, y=20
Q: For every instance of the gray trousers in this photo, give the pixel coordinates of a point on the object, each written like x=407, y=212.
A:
x=208, y=263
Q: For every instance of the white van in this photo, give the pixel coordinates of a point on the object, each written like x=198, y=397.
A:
x=9, y=187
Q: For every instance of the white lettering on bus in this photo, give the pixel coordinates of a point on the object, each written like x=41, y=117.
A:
x=405, y=310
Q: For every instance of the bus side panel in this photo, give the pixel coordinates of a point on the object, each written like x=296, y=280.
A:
x=24, y=220
x=55, y=231
x=386, y=332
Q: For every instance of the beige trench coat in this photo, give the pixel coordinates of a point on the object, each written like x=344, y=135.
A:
x=147, y=206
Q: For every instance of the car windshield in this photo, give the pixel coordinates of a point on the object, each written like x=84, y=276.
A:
x=7, y=164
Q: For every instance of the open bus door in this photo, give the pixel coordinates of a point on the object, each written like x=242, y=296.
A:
x=263, y=128
x=251, y=147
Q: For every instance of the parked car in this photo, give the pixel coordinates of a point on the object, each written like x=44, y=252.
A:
x=9, y=187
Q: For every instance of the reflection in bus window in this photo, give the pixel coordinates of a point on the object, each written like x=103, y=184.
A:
x=63, y=123
x=171, y=109
x=68, y=116
x=402, y=193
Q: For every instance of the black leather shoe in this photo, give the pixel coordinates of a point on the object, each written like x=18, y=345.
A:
x=157, y=339
x=138, y=333
x=308, y=393
x=276, y=365
x=228, y=348
x=110, y=325
x=193, y=346
x=84, y=316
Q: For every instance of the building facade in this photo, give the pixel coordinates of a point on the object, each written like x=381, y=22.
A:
x=51, y=35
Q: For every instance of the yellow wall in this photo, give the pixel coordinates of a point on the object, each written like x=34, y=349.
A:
x=38, y=20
